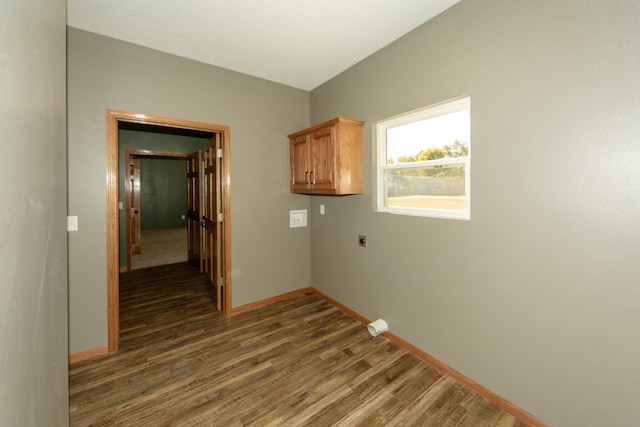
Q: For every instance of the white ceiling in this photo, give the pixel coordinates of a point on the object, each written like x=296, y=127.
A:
x=300, y=43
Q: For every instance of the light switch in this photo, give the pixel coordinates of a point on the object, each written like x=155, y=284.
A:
x=321, y=209
x=298, y=218
x=72, y=223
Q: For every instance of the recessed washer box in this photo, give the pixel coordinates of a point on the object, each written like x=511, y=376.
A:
x=298, y=218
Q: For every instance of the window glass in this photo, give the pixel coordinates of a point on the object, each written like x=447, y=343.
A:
x=423, y=162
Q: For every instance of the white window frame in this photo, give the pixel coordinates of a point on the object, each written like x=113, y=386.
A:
x=381, y=160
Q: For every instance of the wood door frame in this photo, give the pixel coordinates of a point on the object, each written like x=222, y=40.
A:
x=113, y=264
x=142, y=153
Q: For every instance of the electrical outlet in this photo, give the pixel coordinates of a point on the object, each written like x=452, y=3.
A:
x=362, y=241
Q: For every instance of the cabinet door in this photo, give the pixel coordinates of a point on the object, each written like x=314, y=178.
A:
x=299, y=159
x=323, y=158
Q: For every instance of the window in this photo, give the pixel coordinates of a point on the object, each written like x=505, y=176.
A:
x=423, y=162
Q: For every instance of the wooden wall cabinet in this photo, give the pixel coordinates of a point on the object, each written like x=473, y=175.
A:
x=327, y=158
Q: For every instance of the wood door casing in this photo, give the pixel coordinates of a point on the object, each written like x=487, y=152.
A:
x=113, y=119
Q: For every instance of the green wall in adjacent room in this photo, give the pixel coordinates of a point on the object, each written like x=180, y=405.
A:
x=163, y=192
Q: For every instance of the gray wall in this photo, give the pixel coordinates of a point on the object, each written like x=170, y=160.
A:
x=33, y=248
x=268, y=257
x=537, y=297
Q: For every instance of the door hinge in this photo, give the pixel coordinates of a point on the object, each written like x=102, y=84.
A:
x=219, y=217
x=219, y=153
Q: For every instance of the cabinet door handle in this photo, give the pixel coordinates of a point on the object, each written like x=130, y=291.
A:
x=312, y=180
x=306, y=177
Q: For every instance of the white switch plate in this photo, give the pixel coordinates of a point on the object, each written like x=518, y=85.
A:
x=321, y=209
x=298, y=218
x=72, y=223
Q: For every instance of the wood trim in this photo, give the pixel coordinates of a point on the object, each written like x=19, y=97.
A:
x=343, y=307
x=225, y=176
x=88, y=354
x=489, y=395
x=113, y=268
x=264, y=302
x=155, y=153
x=472, y=385
x=113, y=286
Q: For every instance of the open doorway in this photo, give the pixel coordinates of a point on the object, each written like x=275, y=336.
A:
x=211, y=223
x=153, y=185
x=155, y=210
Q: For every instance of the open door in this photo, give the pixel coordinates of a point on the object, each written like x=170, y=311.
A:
x=212, y=216
x=134, y=211
x=194, y=209
x=134, y=235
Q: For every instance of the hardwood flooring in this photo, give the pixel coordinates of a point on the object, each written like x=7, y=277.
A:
x=292, y=363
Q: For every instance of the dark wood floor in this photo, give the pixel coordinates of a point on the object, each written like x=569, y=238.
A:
x=292, y=363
